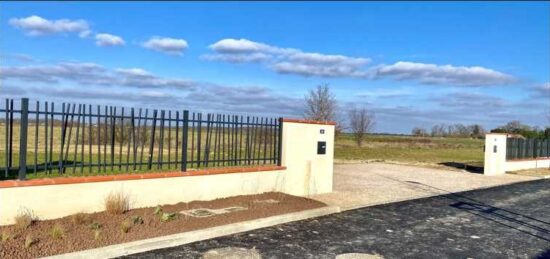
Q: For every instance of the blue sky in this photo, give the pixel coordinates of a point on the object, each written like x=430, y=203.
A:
x=412, y=64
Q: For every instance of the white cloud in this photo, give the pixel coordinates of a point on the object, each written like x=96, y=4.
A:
x=287, y=60
x=443, y=74
x=92, y=74
x=35, y=25
x=166, y=45
x=105, y=39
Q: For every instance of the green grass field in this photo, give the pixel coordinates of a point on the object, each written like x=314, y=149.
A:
x=410, y=149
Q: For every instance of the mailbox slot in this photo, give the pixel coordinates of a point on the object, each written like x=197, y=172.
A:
x=321, y=147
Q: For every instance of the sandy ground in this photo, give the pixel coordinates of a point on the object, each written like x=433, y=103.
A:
x=360, y=185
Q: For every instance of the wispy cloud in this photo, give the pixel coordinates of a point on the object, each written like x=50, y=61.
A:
x=287, y=60
x=105, y=39
x=37, y=26
x=165, y=45
x=444, y=74
x=298, y=62
x=92, y=74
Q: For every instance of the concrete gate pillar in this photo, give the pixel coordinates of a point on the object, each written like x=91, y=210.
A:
x=495, y=154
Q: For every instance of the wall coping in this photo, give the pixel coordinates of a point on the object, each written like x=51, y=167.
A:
x=309, y=121
x=136, y=176
x=527, y=159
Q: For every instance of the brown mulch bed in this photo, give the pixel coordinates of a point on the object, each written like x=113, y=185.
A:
x=80, y=235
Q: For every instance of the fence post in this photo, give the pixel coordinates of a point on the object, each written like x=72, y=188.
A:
x=184, y=138
x=23, y=138
x=280, y=147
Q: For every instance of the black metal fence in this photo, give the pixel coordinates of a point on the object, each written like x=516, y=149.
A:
x=517, y=148
x=83, y=139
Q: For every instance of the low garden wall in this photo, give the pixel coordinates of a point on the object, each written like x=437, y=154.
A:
x=303, y=172
x=496, y=161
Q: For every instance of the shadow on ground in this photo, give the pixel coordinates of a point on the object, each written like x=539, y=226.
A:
x=464, y=166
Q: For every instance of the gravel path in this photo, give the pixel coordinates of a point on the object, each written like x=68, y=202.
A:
x=360, y=185
x=504, y=222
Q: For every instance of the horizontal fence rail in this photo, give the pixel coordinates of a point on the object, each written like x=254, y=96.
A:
x=79, y=139
x=517, y=148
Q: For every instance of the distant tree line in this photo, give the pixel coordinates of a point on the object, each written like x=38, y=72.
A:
x=516, y=127
x=477, y=131
x=453, y=130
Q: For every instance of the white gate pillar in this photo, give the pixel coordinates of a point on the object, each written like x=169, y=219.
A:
x=495, y=154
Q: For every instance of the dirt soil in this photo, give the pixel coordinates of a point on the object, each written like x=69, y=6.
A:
x=81, y=235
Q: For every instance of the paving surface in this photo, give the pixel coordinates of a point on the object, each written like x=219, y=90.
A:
x=502, y=222
x=360, y=185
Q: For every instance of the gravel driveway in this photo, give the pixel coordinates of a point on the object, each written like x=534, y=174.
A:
x=360, y=185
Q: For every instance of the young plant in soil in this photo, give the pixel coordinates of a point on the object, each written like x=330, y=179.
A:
x=94, y=226
x=167, y=216
x=137, y=220
x=29, y=241
x=97, y=234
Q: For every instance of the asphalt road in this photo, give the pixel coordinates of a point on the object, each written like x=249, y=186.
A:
x=504, y=222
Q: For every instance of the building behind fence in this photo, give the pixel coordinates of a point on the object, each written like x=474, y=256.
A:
x=45, y=138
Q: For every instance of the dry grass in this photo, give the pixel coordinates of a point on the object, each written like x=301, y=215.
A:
x=57, y=232
x=117, y=203
x=5, y=236
x=125, y=226
x=24, y=219
x=80, y=219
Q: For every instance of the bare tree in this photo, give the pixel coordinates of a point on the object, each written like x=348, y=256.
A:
x=320, y=104
x=361, y=122
x=419, y=132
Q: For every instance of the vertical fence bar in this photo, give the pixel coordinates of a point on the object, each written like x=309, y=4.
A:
x=46, y=161
x=51, y=138
x=6, y=156
x=10, y=151
x=63, y=128
x=133, y=140
x=36, y=124
x=184, y=134
x=177, y=137
x=77, y=135
x=23, y=138
x=152, y=143
x=90, y=139
x=98, y=139
x=169, y=137
x=161, y=140
x=279, y=143
x=144, y=139
x=121, y=140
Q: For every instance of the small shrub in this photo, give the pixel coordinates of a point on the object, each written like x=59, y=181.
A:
x=167, y=216
x=158, y=210
x=24, y=219
x=57, y=232
x=137, y=220
x=29, y=241
x=5, y=236
x=80, y=218
x=97, y=234
x=94, y=226
x=125, y=226
x=117, y=203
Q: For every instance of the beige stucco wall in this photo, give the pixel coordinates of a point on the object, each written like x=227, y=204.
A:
x=527, y=164
x=307, y=173
x=496, y=163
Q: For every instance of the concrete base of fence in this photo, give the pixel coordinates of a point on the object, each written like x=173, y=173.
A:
x=198, y=235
